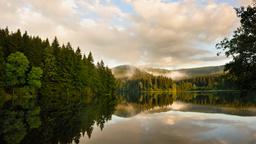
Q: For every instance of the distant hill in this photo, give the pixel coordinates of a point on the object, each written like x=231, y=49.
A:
x=202, y=70
x=186, y=73
x=132, y=72
x=128, y=72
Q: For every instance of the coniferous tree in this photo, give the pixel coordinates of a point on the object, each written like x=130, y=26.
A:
x=56, y=47
x=2, y=67
x=90, y=58
x=69, y=82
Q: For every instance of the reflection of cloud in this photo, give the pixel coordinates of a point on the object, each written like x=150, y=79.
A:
x=170, y=120
x=178, y=106
x=177, y=127
x=126, y=110
x=116, y=119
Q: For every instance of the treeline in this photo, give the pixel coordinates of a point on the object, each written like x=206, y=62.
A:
x=161, y=83
x=146, y=83
x=41, y=81
x=207, y=82
x=64, y=71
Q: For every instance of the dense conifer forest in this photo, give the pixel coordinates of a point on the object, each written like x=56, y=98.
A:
x=45, y=86
x=148, y=82
x=207, y=82
x=28, y=61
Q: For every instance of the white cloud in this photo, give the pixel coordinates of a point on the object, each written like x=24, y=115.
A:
x=161, y=34
x=246, y=2
x=174, y=29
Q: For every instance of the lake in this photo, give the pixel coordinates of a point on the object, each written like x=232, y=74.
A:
x=215, y=117
x=192, y=117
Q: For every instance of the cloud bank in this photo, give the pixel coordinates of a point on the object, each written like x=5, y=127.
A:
x=158, y=33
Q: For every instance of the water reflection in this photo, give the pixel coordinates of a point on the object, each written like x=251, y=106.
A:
x=194, y=117
x=132, y=104
x=228, y=102
x=177, y=127
x=220, y=98
x=54, y=120
x=197, y=117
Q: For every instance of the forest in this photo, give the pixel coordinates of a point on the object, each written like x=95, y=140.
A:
x=151, y=83
x=145, y=83
x=207, y=82
x=39, y=79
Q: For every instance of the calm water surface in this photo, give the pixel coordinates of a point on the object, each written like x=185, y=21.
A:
x=212, y=117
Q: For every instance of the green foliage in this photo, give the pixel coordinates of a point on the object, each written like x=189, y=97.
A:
x=90, y=58
x=55, y=46
x=241, y=48
x=43, y=88
x=12, y=127
x=16, y=67
x=134, y=79
x=107, y=84
x=207, y=82
x=34, y=76
x=2, y=63
x=49, y=65
x=146, y=83
x=33, y=118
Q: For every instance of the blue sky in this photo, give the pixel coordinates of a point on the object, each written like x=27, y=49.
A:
x=124, y=6
x=128, y=8
x=152, y=33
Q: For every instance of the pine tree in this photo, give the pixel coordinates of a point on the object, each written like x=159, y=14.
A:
x=2, y=67
x=90, y=58
x=2, y=63
x=56, y=47
x=49, y=66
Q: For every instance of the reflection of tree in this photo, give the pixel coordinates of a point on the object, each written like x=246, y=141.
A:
x=18, y=110
x=60, y=122
x=232, y=99
x=17, y=119
x=146, y=100
x=134, y=103
x=64, y=123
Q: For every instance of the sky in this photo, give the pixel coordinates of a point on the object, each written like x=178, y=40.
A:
x=167, y=34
